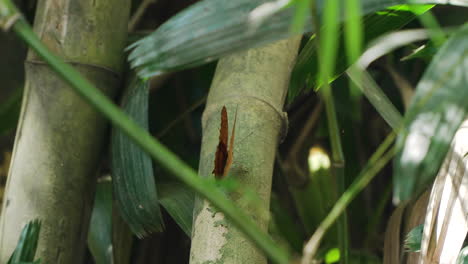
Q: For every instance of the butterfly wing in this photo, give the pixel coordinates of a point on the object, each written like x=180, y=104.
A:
x=221, y=154
x=230, y=154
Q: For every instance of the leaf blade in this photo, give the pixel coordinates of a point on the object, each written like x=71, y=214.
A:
x=433, y=118
x=132, y=169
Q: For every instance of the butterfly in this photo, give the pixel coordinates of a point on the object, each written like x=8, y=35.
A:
x=224, y=155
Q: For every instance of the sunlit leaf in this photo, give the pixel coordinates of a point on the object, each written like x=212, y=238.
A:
x=437, y=110
x=132, y=169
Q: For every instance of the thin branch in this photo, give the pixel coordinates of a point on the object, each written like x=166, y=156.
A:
x=135, y=19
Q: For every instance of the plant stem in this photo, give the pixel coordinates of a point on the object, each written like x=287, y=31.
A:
x=338, y=163
x=327, y=41
x=139, y=14
x=375, y=164
x=158, y=152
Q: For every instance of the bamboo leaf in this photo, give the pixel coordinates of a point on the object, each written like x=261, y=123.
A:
x=178, y=201
x=100, y=229
x=212, y=28
x=463, y=257
x=425, y=52
x=413, y=239
x=437, y=110
x=132, y=169
x=306, y=69
x=27, y=244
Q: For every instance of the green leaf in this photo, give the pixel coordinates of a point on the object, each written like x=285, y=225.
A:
x=178, y=201
x=332, y=255
x=463, y=256
x=100, y=229
x=302, y=9
x=132, y=169
x=27, y=244
x=437, y=110
x=414, y=238
x=306, y=68
x=425, y=52
x=213, y=28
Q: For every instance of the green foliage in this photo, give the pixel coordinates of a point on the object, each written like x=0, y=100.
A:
x=132, y=169
x=463, y=256
x=301, y=14
x=178, y=201
x=305, y=72
x=332, y=256
x=425, y=52
x=195, y=37
x=27, y=244
x=414, y=238
x=100, y=227
x=212, y=28
x=437, y=110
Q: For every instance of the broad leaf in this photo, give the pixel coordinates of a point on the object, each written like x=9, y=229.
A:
x=212, y=28
x=437, y=110
x=132, y=169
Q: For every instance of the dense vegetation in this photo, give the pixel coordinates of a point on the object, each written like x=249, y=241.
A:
x=343, y=134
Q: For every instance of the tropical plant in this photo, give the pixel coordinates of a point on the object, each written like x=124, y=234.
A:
x=279, y=78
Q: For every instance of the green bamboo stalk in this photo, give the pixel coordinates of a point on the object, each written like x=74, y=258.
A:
x=60, y=137
x=338, y=163
x=255, y=83
x=158, y=152
x=328, y=47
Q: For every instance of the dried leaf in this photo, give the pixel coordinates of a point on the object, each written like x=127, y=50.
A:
x=446, y=223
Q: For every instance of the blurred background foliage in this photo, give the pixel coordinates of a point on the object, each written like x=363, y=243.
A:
x=176, y=102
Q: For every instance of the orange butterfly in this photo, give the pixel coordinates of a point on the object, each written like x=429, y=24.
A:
x=224, y=156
